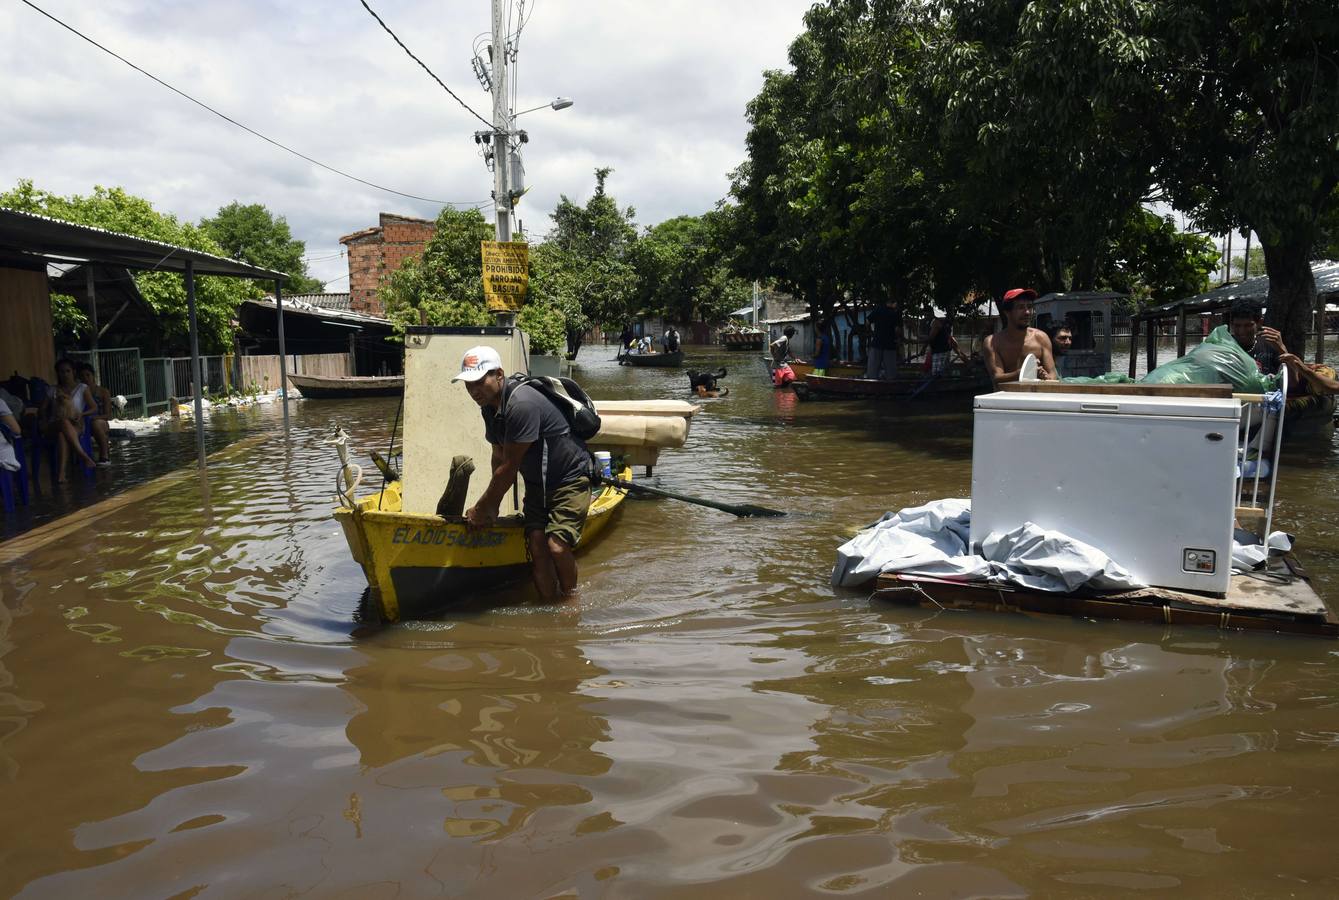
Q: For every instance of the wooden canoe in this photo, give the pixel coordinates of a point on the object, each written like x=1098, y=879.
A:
x=655, y=360
x=803, y=370
x=1284, y=603
x=743, y=340
x=340, y=387
x=952, y=385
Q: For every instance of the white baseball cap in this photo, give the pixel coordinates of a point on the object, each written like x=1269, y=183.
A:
x=478, y=362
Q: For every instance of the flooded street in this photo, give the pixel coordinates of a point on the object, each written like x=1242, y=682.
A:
x=189, y=706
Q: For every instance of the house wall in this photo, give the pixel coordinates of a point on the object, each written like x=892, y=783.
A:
x=377, y=252
x=26, y=342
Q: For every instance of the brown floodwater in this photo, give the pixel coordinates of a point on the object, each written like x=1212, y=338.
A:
x=189, y=707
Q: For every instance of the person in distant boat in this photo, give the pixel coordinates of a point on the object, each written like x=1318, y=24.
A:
x=941, y=344
x=781, y=346
x=1246, y=321
x=1005, y=350
x=885, y=323
x=531, y=437
x=671, y=340
x=822, y=348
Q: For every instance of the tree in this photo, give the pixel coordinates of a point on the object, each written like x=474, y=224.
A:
x=583, y=267
x=1154, y=263
x=1249, y=123
x=254, y=235
x=216, y=299
x=445, y=285
x=683, y=273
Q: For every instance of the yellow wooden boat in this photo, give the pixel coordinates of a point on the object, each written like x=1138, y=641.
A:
x=416, y=564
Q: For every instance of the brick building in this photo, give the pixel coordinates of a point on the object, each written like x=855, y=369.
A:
x=376, y=252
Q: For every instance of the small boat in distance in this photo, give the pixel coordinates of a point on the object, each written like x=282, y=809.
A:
x=341, y=387
x=958, y=383
x=653, y=359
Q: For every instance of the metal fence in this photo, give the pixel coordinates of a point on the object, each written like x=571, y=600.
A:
x=120, y=371
x=170, y=376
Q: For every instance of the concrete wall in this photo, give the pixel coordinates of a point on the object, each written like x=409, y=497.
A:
x=26, y=342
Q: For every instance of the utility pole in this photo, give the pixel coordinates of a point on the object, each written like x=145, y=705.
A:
x=501, y=127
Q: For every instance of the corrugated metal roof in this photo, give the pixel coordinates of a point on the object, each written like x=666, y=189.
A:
x=297, y=305
x=1325, y=272
x=333, y=300
x=53, y=240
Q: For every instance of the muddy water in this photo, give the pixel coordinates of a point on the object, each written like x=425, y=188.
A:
x=187, y=707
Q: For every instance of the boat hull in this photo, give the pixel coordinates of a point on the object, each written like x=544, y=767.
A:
x=803, y=370
x=905, y=388
x=653, y=360
x=418, y=565
x=342, y=387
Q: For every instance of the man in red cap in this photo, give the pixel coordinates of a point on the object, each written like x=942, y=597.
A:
x=1005, y=350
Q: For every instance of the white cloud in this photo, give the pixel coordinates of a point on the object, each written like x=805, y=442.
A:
x=660, y=90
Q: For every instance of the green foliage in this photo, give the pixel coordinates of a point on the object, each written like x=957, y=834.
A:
x=683, y=272
x=1154, y=263
x=68, y=319
x=445, y=285
x=252, y=234
x=1257, y=267
x=583, y=267
x=545, y=324
x=115, y=210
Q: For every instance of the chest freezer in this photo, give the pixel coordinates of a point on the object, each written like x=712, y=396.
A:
x=1150, y=481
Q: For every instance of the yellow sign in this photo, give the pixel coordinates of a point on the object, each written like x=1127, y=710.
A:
x=506, y=274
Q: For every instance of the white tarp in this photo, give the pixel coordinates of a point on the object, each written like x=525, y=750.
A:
x=934, y=540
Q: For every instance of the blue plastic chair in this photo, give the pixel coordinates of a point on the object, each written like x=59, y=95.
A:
x=12, y=483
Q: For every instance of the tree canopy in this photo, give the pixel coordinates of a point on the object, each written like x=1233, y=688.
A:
x=252, y=234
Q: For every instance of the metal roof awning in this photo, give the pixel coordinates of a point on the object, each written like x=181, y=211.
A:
x=1325, y=273
x=42, y=238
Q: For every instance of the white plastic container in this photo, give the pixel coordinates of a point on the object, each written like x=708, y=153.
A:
x=603, y=461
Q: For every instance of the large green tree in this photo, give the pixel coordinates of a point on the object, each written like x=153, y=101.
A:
x=683, y=273
x=584, y=267
x=1249, y=127
x=115, y=210
x=252, y=234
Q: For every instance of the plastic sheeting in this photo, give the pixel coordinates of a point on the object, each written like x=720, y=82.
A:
x=1218, y=359
x=933, y=540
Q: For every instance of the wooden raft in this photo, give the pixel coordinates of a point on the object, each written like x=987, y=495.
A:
x=1280, y=599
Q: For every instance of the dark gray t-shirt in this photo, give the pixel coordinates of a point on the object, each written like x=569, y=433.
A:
x=556, y=456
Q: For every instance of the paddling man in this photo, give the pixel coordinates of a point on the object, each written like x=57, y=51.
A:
x=671, y=340
x=1005, y=350
x=1265, y=344
x=530, y=436
x=781, y=346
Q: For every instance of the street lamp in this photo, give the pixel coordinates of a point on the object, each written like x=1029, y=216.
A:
x=556, y=103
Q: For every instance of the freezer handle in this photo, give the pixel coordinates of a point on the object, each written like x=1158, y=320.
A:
x=1099, y=407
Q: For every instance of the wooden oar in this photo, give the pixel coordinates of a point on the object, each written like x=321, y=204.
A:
x=742, y=510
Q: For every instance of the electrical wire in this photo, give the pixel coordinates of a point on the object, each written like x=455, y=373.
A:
x=232, y=121
x=424, y=65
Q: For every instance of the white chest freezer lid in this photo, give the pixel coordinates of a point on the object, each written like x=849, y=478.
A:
x=1112, y=404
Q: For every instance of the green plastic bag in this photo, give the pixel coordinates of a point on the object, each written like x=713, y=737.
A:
x=1218, y=360
x=1108, y=378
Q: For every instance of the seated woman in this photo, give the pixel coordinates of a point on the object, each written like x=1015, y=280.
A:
x=9, y=430
x=99, y=413
x=62, y=413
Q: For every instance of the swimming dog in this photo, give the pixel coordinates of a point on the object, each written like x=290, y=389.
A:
x=704, y=383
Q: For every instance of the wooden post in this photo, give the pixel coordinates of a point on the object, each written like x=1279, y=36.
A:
x=1320, y=329
x=1181, y=330
x=1151, y=345
x=1134, y=342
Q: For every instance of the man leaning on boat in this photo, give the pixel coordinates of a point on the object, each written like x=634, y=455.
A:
x=530, y=436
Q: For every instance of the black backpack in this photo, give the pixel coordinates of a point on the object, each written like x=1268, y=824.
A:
x=575, y=405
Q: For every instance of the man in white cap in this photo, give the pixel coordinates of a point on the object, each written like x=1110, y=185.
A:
x=530, y=436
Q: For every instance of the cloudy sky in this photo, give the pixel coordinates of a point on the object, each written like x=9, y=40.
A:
x=660, y=90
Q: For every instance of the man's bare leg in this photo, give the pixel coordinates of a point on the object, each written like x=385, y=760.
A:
x=564, y=565
x=542, y=567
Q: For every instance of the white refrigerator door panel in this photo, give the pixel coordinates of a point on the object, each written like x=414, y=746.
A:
x=1143, y=489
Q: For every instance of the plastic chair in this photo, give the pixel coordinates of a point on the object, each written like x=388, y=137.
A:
x=12, y=483
x=51, y=449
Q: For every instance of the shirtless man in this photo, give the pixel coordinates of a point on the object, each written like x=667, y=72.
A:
x=1005, y=351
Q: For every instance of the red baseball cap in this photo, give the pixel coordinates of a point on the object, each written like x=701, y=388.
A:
x=1019, y=294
